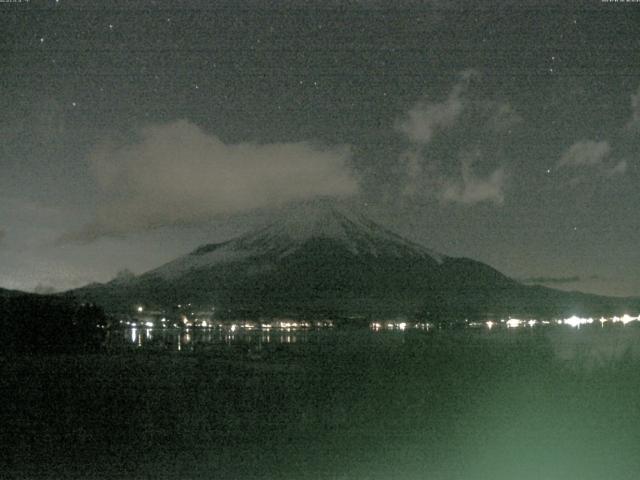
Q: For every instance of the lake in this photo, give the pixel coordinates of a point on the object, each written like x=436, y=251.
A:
x=329, y=403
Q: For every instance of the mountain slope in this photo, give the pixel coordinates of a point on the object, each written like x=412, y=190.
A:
x=328, y=261
x=297, y=230
x=4, y=293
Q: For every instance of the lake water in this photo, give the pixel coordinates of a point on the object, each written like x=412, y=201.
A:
x=326, y=403
x=587, y=345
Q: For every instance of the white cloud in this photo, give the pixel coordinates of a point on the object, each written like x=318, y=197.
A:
x=176, y=173
x=472, y=188
x=487, y=120
x=424, y=119
x=502, y=117
x=585, y=153
x=635, y=111
x=619, y=169
x=594, y=156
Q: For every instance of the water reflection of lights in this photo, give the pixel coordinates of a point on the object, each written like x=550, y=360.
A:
x=262, y=333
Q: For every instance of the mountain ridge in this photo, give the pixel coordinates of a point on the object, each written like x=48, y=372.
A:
x=329, y=261
x=291, y=232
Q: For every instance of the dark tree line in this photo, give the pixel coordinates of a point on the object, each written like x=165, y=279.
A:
x=48, y=324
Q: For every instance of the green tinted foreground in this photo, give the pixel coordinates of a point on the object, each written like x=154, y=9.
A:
x=446, y=406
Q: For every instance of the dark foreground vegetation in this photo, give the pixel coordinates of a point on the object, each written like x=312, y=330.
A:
x=47, y=324
x=358, y=406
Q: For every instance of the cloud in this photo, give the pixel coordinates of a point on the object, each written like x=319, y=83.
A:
x=424, y=119
x=501, y=117
x=472, y=189
x=619, y=169
x=592, y=155
x=634, y=123
x=176, y=173
x=558, y=280
x=43, y=289
x=473, y=123
x=585, y=153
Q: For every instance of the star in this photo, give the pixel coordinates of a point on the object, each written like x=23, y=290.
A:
x=548, y=170
x=74, y=104
x=41, y=39
x=110, y=26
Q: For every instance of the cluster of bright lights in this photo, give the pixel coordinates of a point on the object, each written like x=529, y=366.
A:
x=392, y=325
x=289, y=324
x=572, y=321
x=625, y=319
x=402, y=326
x=514, y=322
x=575, y=321
x=284, y=325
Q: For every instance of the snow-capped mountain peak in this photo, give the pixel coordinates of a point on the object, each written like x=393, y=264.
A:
x=293, y=229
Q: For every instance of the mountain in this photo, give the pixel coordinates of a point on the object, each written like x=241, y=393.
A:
x=4, y=293
x=318, y=260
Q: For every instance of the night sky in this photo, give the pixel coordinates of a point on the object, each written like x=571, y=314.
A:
x=507, y=132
